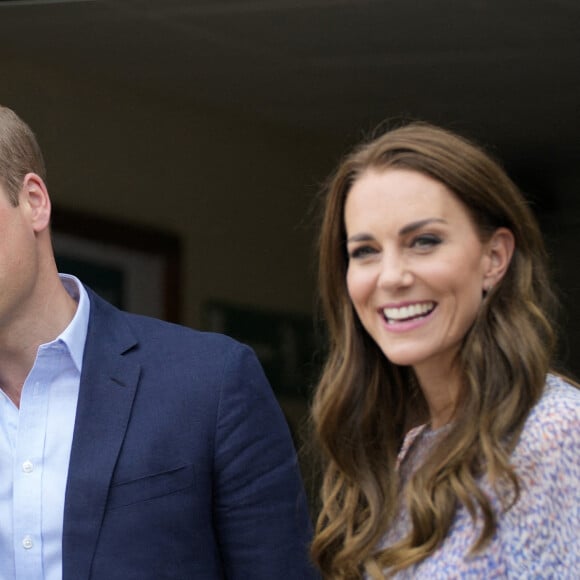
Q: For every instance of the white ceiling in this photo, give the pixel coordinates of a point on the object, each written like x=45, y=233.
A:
x=506, y=69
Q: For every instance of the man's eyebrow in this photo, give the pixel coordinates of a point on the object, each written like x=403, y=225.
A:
x=409, y=228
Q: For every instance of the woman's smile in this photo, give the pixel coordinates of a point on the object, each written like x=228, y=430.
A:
x=407, y=312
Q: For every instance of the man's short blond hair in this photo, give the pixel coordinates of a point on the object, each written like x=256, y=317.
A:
x=19, y=153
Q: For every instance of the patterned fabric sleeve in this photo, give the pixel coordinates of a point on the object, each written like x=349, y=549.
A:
x=540, y=533
x=538, y=538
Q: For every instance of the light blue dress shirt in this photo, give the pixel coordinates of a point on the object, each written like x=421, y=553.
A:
x=35, y=444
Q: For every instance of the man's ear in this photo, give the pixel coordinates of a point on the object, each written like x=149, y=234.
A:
x=499, y=251
x=34, y=194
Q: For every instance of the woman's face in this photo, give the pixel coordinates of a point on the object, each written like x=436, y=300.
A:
x=417, y=268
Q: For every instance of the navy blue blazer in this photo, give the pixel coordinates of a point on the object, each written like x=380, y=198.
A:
x=182, y=466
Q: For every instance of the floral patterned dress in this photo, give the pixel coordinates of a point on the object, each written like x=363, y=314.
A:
x=539, y=537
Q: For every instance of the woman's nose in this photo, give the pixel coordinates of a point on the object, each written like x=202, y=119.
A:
x=394, y=272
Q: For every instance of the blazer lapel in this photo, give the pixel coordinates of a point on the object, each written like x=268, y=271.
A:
x=107, y=389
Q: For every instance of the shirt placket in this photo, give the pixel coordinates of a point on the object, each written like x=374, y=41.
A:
x=28, y=472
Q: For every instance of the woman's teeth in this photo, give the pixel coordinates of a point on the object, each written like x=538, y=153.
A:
x=408, y=312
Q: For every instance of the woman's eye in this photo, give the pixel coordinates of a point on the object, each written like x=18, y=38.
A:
x=361, y=252
x=425, y=241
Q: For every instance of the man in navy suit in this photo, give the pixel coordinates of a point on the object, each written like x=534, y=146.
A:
x=130, y=448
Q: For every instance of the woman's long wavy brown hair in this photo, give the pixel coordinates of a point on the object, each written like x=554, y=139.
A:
x=364, y=404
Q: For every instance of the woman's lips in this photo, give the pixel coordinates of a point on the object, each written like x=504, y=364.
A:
x=408, y=312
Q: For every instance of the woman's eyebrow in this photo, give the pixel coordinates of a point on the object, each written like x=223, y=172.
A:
x=409, y=228
x=360, y=238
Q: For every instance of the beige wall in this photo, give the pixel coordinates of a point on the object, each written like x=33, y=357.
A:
x=238, y=194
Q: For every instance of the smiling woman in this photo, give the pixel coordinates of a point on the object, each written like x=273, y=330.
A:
x=448, y=441
x=417, y=270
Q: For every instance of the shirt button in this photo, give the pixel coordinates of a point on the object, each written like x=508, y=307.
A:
x=27, y=542
x=27, y=467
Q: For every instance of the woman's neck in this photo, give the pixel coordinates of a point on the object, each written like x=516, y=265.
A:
x=440, y=387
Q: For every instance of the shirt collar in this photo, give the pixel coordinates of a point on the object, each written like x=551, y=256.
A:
x=75, y=334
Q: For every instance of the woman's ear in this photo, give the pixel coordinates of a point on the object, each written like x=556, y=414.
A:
x=35, y=195
x=499, y=251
